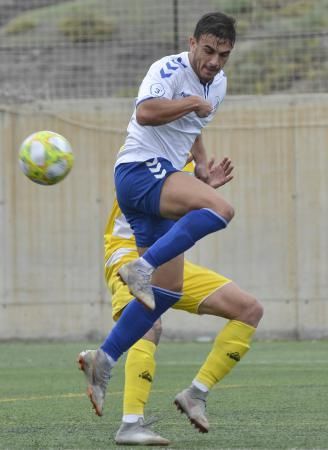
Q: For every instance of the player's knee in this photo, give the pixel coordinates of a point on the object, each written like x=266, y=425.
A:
x=225, y=210
x=176, y=286
x=154, y=334
x=258, y=309
x=254, y=311
x=157, y=327
x=229, y=213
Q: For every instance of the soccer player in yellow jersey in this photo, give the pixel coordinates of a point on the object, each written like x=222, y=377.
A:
x=204, y=292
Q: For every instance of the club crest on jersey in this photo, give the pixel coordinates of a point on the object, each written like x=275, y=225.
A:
x=157, y=90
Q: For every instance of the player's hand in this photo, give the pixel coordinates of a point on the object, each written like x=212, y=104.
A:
x=219, y=173
x=203, y=108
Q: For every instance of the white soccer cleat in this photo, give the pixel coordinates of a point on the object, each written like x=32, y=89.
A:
x=138, y=282
x=97, y=369
x=192, y=402
x=139, y=433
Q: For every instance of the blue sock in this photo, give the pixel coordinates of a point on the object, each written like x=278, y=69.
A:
x=183, y=235
x=135, y=321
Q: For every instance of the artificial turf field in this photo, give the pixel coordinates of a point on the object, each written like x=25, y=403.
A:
x=277, y=397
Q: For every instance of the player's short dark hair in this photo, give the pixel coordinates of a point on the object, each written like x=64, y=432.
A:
x=217, y=24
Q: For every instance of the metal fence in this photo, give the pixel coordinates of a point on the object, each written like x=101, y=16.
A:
x=102, y=48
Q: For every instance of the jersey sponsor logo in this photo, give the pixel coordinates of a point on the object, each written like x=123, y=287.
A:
x=157, y=90
x=171, y=67
x=155, y=167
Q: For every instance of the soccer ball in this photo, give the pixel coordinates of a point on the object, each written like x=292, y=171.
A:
x=45, y=157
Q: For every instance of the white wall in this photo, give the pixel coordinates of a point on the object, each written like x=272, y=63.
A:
x=51, y=280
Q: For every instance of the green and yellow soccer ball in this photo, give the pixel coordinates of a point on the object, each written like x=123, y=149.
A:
x=46, y=157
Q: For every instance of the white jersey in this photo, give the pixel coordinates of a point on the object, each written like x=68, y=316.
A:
x=171, y=77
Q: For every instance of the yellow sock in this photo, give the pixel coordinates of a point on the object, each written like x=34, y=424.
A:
x=229, y=347
x=139, y=373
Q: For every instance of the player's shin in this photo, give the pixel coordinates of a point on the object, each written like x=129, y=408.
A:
x=228, y=348
x=139, y=373
x=231, y=344
x=183, y=235
x=135, y=321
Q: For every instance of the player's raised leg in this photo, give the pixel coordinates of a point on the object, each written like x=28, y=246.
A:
x=199, y=210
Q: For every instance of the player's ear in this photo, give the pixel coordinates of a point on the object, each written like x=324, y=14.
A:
x=192, y=42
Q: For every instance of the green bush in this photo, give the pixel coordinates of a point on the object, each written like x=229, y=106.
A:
x=252, y=72
x=235, y=6
x=86, y=27
x=20, y=25
x=297, y=8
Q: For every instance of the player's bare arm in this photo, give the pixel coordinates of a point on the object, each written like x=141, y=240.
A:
x=159, y=111
x=200, y=157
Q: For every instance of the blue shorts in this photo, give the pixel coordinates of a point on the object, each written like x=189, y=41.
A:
x=138, y=189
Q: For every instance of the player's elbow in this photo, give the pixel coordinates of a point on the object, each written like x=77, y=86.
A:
x=143, y=116
x=148, y=113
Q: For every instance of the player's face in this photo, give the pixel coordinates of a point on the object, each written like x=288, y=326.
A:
x=208, y=56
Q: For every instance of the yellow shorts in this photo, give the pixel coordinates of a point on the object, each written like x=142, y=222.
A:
x=198, y=284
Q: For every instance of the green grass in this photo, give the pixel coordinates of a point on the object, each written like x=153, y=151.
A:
x=276, y=398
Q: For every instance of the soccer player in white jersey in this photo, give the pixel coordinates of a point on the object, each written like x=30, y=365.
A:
x=169, y=211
